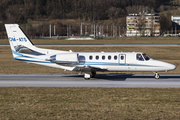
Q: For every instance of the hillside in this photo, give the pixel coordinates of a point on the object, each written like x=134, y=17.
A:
x=20, y=11
x=37, y=13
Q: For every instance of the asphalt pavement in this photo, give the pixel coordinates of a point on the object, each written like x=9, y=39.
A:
x=101, y=80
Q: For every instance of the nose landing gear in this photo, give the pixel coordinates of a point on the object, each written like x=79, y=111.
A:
x=156, y=75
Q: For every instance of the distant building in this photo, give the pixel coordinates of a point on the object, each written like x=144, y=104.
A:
x=143, y=24
x=175, y=19
x=175, y=24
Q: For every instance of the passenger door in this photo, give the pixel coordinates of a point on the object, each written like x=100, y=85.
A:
x=122, y=59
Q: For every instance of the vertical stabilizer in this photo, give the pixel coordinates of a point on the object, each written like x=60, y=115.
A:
x=17, y=38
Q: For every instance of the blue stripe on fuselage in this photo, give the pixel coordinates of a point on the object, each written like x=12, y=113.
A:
x=32, y=60
x=86, y=63
x=21, y=55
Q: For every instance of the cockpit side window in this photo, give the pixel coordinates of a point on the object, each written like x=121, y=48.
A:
x=146, y=57
x=139, y=57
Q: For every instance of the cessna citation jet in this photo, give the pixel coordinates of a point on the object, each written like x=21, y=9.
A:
x=87, y=62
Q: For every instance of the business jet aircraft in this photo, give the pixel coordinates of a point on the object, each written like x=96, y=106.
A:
x=87, y=62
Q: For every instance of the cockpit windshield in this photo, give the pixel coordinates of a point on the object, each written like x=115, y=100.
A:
x=146, y=57
x=139, y=57
x=142, y=57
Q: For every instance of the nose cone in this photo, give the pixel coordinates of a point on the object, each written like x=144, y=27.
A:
x=168, y=66
x=164, y=66
x=171, y=66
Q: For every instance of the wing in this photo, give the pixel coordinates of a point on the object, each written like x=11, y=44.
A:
x=89, y=68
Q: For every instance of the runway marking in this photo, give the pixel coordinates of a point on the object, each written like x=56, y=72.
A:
x=44, y=82
x=122, y=79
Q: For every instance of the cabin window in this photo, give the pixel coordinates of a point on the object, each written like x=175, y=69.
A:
x=109, y=57
x=103, y=57
x=97, y=57
x=115, y=57
x=90, y=57
x=146, y=57
x=122, y=57
x=139, y=57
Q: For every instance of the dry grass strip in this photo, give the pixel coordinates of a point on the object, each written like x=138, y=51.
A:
x=22, y=103
x=129, y=40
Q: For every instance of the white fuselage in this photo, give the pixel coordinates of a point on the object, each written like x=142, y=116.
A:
x=128, y=62
x=108, y=61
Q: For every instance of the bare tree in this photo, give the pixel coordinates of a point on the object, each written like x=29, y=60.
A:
x=141, y=24
x=165, y=22
x=152, y=23
x=113, y=14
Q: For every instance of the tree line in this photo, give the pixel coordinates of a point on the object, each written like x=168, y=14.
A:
x=20, y=10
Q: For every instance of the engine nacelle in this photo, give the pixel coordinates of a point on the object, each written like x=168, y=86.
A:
x=65, y=58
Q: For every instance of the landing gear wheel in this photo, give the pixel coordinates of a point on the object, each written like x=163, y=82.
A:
x=156, y=76
x=93, y=74
x=87, y=76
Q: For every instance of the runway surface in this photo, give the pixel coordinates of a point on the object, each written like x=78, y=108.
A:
x=103, y=45
x=101, y=80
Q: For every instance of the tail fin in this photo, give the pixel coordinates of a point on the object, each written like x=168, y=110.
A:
x=17, y=37
x=20, y=44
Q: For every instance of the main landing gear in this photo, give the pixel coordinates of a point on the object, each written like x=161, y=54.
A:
x=93, y=74
x=156, y=75
x=89, y=75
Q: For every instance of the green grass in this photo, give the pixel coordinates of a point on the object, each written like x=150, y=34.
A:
x=89, y=103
